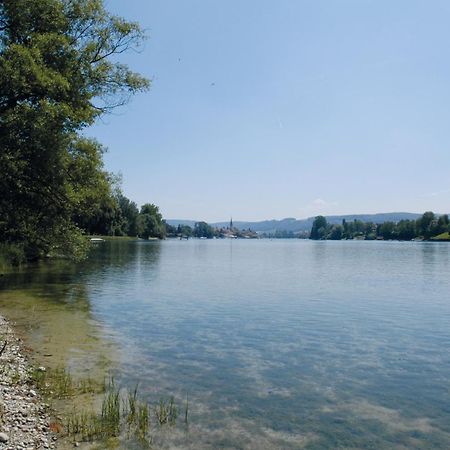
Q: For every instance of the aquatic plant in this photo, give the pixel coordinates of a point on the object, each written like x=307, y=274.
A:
x=186, y=410
x=143, y=420
x=89, y=386
x=59, y=383
x=110, y=416
x=166, y=412
x=131, y=411
x=131, y=421
x=86, y=425
x=62, y=384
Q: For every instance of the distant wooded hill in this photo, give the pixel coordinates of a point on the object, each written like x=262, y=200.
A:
x=304, y=225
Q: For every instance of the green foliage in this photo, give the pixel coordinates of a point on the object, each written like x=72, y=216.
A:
x=151, y=222
x=387, y=230
x=425, y=224
x=406, y=230
x=132, y=407
x=184, y=230
x=166, y=412
x=110, y=416
x=59, y=383
x=11, y=254
x=203, y=230
x=89, y=426
x=443, y=225
x=143, y=420
x=171, y=230
x=132, y=421
x=319, y=228
x=58, y=74
x=426, y=227
x=336, y=233
x=130, y=216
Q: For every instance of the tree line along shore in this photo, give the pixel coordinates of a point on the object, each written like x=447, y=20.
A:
x=429, y=226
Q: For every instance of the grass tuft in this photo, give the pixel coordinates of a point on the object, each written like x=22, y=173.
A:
x=186, y=410
x=131, y=421
x=166, y=412
x=58, y=383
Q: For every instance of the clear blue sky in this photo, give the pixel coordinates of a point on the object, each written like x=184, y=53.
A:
x=269, y=109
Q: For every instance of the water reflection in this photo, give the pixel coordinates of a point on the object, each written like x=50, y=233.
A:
x=51, y=305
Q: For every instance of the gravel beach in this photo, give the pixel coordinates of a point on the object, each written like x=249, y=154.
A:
x=24, y=418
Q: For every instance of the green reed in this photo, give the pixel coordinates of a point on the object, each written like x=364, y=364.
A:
x=166, y=412
x=110, y=416
x=131, y=421
x=186, y=410
x=143, y=420
x=131, y=411
x=59, y=383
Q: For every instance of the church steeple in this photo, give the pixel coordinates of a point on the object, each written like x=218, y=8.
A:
x=231, y=223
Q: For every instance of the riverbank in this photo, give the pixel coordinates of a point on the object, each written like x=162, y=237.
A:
x=444, y=237
x=24, y=416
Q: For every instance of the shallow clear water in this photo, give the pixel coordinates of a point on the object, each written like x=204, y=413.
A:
x=279, y=344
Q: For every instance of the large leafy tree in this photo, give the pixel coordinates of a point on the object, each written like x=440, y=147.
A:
x=130, y=216
x=58, y=74
x=425, y=224
x=319, y=228
x=151, y=223
x=204, y=230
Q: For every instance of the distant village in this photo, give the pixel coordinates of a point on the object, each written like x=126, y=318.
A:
x=203, y=230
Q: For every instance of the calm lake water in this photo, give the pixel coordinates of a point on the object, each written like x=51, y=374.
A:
x=279, y=344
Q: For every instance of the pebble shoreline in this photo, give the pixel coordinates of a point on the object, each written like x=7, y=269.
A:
x=24, y=416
